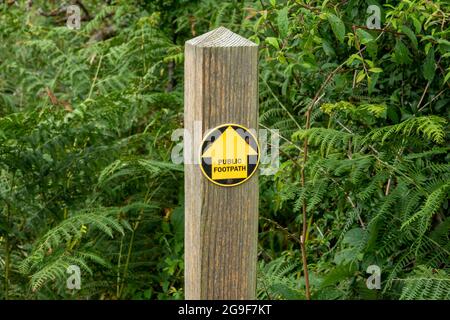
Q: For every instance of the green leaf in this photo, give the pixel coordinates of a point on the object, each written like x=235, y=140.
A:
x=417, y=24
x=346, y=255
x=283, y=21
x=444, y=42
x=410, y=35
x=360, y=76
x=401, y=54
x=355, y=237
x=337, y=26
x=338, y=273
x=376, y=70
x=273, y=42
x=177, y=220
x=429, y=66
x=352, y=58
x=364, y=36
x=372, y=48
x=428, y=46
x=372, y=83
x=447, y=77
x=328, y=49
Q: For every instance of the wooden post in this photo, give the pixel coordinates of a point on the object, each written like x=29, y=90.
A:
x=221, y=223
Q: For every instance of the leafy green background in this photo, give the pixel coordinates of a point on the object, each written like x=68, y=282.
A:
x=86, y=118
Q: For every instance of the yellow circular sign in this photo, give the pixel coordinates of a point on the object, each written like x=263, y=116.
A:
x=229, y=155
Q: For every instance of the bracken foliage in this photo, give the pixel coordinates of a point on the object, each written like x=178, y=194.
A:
x=86, y=118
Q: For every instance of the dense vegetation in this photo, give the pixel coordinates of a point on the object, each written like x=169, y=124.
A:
x=86, y=118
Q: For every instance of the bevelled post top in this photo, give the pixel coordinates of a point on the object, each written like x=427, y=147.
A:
x=220, y=37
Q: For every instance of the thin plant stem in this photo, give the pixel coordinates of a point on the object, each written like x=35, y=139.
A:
x=95, y=77
x=304, y=213
x=118, y=268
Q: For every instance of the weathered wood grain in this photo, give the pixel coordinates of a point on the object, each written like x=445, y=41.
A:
x=221, y=224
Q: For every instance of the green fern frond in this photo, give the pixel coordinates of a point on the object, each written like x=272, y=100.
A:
x=73, y=228
x=325, y=138
x=337, y=274
x=430, y=127
x=426, y=284
x=136, y=168
x=375, y=183
x=99, y=17
x=321, y=188
x=277, y=280
x=431, y=206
